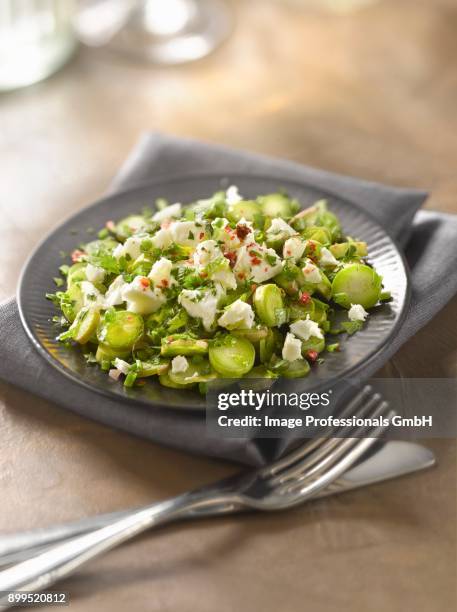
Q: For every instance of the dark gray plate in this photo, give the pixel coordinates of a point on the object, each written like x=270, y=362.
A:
x=36, y=280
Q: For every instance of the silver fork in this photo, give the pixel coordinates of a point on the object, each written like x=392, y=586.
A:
x=284, y=484
x=19, y=546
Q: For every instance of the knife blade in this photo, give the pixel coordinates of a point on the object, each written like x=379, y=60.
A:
x=386, y=460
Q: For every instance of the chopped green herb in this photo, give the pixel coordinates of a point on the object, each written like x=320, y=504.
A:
x=331, y=348
x=351, y=327
x=146, y=245
x=271, y=259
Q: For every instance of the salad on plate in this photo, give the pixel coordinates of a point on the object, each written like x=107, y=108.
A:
x=224, y=287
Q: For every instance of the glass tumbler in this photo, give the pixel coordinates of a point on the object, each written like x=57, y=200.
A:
x=36, y=39
x=156, y=31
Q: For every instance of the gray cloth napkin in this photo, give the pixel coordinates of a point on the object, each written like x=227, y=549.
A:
x=429, y=239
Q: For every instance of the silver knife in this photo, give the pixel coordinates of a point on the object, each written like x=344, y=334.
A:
x=387, y=460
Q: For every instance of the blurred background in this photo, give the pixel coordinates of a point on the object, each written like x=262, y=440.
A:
x=362, y=87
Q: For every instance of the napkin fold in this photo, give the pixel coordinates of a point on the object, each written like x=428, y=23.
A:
x=429, y=239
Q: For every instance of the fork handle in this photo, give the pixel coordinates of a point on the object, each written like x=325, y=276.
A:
x=64, y=558
x=17, y=547
x=13, y=545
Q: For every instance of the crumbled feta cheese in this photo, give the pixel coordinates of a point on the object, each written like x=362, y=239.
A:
x=243, y=264
x=238, y=315
x=291, y=350
x=131, y=247
x=327, y=258
x=141, y=298
x=121, y=365
x=294, y=247
x=118, y=251
x=206, y=252
x=94, y=274
x=169, y=212
x=187, y=233
x=256, y=262
x=312, y=273
x=201, y=304
x=357, y=313
x=91, y=295
x=179, y=364
x=278, y=226
x=113, y=297
x=209, y=258
x=224, y=234
x=232, y=195
x=305, y=329
x=160, y=273
x=162, y=239
x=224, y=277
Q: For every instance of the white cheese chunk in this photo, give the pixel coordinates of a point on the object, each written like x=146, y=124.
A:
x=327, y=258
x=141, y=298
x=257, y=263
x=357, y=313
x=291, y=350
x=179, y=364
x=232, y=195
x=224, y=234
x=131, y=247
x=118, y=251
x=160, y=273
x=201, y=304
x=224, y=277
x=238, y=315
x=187, y=233
x=113, y=297
x=279, y=226
x=206, y=252
x=94, y=274
x=208, y=258
x=121, y=365
x=312, y=273
x=169, y=212
x=91, y=295
x=294, y=248
x=162, y=239
x=305, y=329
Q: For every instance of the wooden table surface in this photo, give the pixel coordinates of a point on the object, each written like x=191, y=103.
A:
x=371, y=94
